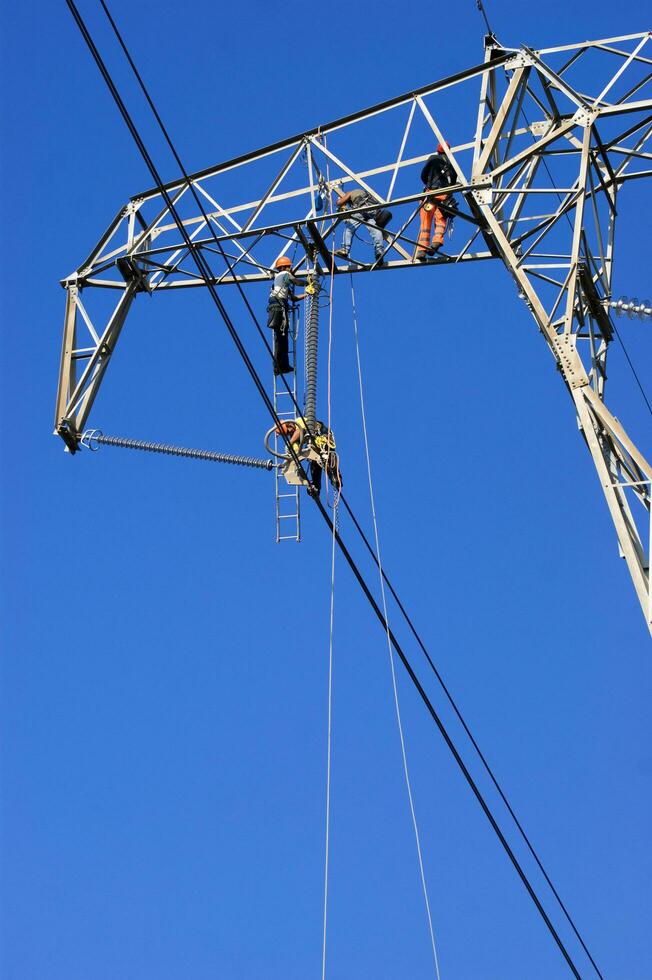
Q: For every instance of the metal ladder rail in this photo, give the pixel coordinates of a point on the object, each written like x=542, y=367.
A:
x=288, y=500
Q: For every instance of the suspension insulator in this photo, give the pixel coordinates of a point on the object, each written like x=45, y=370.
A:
x=632, y=307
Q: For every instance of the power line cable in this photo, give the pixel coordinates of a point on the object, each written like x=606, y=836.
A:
x=470, y=735
x=207, y=275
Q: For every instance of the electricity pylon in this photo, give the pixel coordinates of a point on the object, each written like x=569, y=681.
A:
x=541, y=143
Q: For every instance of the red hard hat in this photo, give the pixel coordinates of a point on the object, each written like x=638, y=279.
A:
x=283, y=263
x=440, y=147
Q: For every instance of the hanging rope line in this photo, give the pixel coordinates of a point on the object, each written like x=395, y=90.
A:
x=330, y=657
x=206, y=275
x=390, y=649
x=328, y=756
x=338, y=490
x=93, y=438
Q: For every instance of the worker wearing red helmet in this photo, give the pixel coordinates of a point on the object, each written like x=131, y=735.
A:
x=437, y=172
x=278, y=312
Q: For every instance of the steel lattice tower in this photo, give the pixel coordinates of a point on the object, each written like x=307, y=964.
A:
x=544, y=145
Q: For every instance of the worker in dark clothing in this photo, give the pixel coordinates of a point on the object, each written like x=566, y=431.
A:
x=324, y=443
x=360, y=198
x=278, y=312
x=314, y=444
x=437, y=172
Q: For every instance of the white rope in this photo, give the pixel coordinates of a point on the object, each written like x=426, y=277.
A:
x=389, y=641
x=330, y=652
x=328, y=758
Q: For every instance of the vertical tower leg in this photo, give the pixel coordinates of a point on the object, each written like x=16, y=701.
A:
x=622, y=470
x=75, y=396
x=67, y=370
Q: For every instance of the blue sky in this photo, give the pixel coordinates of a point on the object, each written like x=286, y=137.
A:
x=165, y=663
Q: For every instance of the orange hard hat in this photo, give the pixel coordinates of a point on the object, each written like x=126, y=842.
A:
x=283, y=263
x=440, y=147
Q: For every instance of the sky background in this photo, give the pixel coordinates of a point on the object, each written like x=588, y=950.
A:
x=165, y=662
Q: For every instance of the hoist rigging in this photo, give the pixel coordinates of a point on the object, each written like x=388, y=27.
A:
x=583, y=289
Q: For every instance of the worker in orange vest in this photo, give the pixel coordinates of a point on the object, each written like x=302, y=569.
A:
x=278, y=312
x=437, y=172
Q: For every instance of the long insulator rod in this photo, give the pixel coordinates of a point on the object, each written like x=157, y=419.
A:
x=94, y=436
x=312, y=344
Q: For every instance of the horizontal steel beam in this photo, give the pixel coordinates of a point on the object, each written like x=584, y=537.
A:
x=335, y=124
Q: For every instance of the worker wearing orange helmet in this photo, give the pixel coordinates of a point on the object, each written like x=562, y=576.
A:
x=278, y=312
x=437, y=172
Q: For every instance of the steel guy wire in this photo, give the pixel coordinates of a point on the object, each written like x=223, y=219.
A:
x=206, y=274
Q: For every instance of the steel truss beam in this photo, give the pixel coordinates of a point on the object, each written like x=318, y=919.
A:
x=538, y=166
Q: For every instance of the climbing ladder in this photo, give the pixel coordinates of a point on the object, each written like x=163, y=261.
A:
x=288, y=509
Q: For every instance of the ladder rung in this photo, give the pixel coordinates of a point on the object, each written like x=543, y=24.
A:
x=287, y=414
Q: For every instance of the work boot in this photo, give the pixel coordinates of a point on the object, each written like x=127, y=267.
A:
x=434, y=248
x=421, y=255
x=283, y=369
x=342, y=253
x=380, y=260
